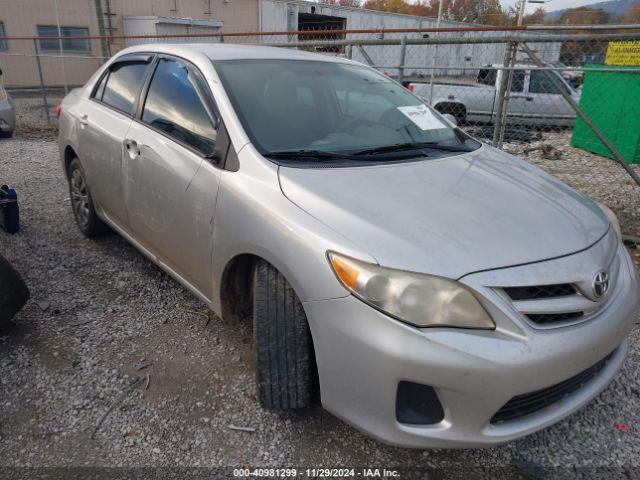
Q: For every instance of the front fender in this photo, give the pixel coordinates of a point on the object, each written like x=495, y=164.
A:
x=254, y=217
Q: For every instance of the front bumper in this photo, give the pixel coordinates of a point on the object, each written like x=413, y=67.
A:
x=362, y=354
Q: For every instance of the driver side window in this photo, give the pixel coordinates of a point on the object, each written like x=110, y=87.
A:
x=175, y=105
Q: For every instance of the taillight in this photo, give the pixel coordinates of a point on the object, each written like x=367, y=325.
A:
x=58, y=110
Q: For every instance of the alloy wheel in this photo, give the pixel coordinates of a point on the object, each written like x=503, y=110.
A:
x=79, y=198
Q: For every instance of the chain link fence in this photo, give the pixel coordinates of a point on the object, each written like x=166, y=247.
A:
x=546, y=93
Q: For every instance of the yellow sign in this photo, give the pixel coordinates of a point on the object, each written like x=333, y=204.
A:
x=625, y=53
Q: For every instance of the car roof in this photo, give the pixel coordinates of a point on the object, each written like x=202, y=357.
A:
x=228, y=51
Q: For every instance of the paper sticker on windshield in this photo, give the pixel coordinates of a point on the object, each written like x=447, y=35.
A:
x=422, y=117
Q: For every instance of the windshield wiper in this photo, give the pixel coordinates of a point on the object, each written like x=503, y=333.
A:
x=306, y=154
x=398, y=147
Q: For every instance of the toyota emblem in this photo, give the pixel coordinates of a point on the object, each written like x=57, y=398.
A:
x=600, y=284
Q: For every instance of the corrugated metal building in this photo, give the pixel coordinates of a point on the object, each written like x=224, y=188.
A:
x=124, y=17
x=154, y=25
x=90, y=17
x=281, y=15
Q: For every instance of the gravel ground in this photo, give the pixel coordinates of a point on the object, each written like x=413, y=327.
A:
x=31, y=119
x=600, y=178
x=112, y=363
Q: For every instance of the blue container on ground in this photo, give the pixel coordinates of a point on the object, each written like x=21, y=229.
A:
x=9, y=211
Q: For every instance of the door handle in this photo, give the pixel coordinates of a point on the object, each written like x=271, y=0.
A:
x=529, y=99
x=132, y=147
x=84, y=120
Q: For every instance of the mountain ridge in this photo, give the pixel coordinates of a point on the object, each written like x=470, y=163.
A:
x=614, y=7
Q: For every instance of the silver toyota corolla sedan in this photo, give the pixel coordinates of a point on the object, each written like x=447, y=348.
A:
x=434, y=291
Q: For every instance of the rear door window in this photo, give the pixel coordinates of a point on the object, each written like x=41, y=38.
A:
x=179, y=105
x=122, y=86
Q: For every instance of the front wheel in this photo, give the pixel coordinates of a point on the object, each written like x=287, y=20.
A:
x=82, y=204
x=285, y=360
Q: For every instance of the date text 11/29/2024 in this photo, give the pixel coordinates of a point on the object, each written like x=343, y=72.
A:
x=316, y=472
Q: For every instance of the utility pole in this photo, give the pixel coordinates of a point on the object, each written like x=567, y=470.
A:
x=523, y=3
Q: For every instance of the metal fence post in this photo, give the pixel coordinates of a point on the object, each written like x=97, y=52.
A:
x=560, y=88
x=44, y=92
x=507, y=95
x=503, y=99
x=349, y=51
x=403, y=54
x=435, y=52
x=364, y=53
x=60, y=45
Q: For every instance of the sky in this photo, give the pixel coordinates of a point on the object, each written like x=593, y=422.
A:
x=550, y=5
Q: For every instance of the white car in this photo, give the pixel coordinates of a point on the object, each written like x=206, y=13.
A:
x=533, y=99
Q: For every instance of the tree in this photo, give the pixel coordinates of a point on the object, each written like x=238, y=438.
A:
x=577, y=53
x=394, y=6
x=471, y=11
x=633, y=14
x=584, y=16
x=425, y=8
x=490, y=12
x=534, y=18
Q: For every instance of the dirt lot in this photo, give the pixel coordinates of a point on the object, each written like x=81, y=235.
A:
x=112, y=363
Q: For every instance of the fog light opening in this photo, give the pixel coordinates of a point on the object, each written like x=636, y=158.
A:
x=418, y=404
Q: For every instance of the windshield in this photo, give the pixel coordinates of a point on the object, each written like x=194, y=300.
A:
x=289, y=106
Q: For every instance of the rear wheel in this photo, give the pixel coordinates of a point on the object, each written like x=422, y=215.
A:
x=82, y=204
x=285, y=360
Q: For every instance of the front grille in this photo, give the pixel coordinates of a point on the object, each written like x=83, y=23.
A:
x=545, y=318
x=561, y=307
x=528, y=403
x=536, y=292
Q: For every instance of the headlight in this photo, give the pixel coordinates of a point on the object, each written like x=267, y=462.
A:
x=612, y=218
x=418, y=299
x=3, y=93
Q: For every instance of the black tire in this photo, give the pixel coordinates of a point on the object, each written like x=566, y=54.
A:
x=8, y=134
x=82, y=204
x=13, y=292
x=285, y=360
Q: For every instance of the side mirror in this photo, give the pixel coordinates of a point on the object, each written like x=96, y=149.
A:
x=450, y=118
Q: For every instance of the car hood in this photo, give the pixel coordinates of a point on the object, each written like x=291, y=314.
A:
x=449, y=216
